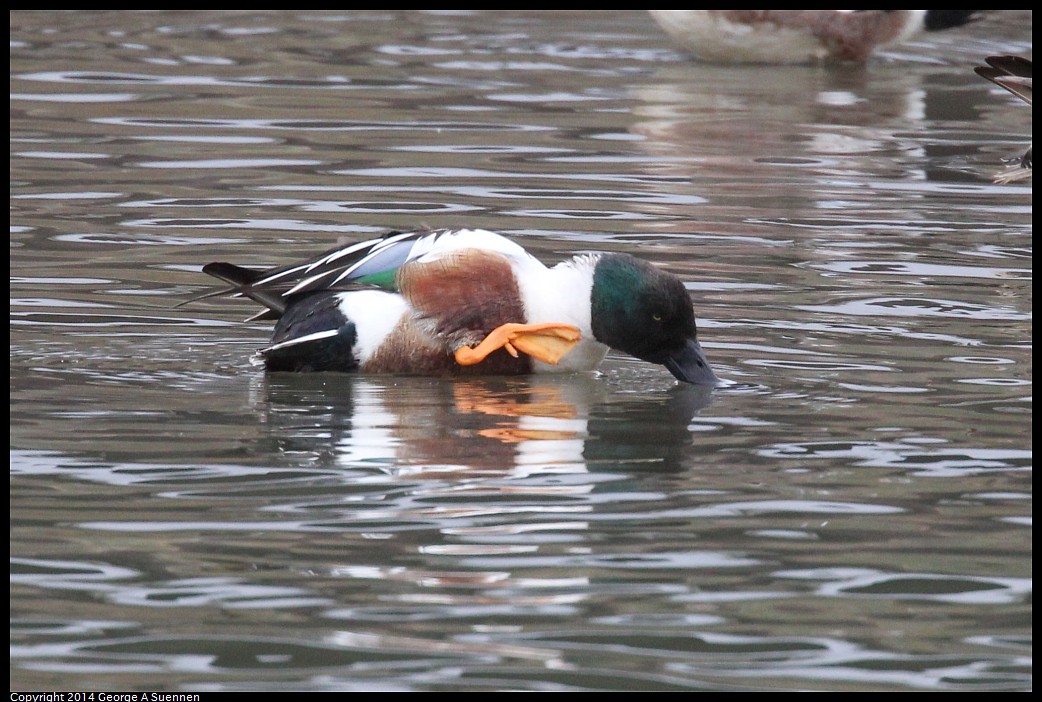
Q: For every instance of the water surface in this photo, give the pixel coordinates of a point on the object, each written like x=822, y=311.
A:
x=850, y=510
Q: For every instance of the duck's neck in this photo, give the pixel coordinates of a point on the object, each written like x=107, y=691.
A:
x=561, y=293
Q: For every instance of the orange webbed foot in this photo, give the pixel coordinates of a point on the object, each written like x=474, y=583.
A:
x=548, y=342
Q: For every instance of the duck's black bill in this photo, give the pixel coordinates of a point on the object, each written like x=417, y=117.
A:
x=689, y=365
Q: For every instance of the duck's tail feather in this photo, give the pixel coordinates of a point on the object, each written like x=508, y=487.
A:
x=242, y=280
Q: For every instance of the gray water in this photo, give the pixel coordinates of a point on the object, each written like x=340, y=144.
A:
x=849, y=510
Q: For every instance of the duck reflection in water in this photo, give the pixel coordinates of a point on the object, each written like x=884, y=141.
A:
x=420, y=425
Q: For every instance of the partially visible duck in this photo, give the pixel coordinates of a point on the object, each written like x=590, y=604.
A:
x=798, y=36
x=1014, y=74
x=468, y=301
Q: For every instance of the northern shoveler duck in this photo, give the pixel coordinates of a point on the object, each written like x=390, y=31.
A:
x=798, y=36
x=467, y=301
x=1014, y=74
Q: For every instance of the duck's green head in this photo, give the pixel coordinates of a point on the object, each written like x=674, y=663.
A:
x=646, y=312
